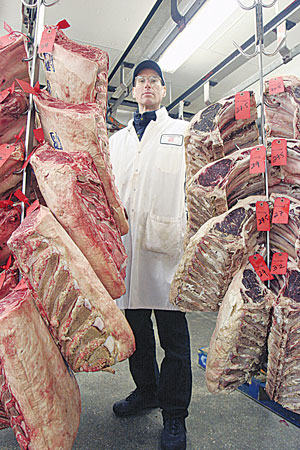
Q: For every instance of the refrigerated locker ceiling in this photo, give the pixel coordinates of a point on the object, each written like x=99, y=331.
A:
x=113, y=25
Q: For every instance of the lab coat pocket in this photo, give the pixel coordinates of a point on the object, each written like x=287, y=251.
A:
x=170, y=158
x=163, y=235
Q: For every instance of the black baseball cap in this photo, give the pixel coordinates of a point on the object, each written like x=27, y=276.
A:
x=148, y=64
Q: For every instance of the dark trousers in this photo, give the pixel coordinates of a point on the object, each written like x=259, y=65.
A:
x=174, y=380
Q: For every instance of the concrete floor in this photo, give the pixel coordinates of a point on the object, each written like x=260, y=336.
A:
x=215, y=422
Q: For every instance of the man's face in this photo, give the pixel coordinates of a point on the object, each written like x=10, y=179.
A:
x=148, y=91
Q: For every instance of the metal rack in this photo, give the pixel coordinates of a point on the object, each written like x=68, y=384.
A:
x=260, y=51
x=33, y=19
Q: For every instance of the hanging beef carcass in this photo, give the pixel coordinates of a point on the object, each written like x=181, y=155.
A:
x=38, y=393
x=10, y=218
x=8, y=178
x=218, y=186
x=76, y=73
x=12, y=65
x=282, y=109
x=73, y=191
x=213, y=256
x=286, y=237
x=74, y=128
x=10, y=280
x=238, y=344
x=283, y=384
x=214, y=133
x=12, y=115
x=285, y=179
x=85, y=322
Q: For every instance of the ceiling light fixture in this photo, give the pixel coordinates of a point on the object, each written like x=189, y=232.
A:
x=203, y=24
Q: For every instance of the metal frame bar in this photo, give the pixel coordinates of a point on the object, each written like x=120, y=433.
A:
x=34, y=75
x=174, y=33
x=268, y=28
x=137, y=35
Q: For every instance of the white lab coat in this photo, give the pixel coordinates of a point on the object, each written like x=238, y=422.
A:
x=150, y=176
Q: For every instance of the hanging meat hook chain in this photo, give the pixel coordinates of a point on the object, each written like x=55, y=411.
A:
x=34, y=75
x=260, y=51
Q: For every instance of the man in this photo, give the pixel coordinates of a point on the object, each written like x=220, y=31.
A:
x=149, y=165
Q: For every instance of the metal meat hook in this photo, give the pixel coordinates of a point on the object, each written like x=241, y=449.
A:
x=245, y=54
x=247, y=7
x=279, y=46
x=259, y=5
x=255, y=2
x=28, y=5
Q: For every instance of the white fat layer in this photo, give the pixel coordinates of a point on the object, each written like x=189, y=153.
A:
x=110, y=344
x=76, y=285
x=87, y=304
x=98, y=323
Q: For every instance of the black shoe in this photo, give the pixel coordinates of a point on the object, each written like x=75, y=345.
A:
x=135, y=402
x=174, y=434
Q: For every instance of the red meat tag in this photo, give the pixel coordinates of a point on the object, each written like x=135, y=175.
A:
x=5, y=93
x=29, y=89
x=22, y=197
x=279, y=152
x=47, y=40
x=260, y=267
x=7, y=27
x=281, y=210
x=62, y=24
x=5, y=152
x=279, y=263
x=262, y=216
x=8, y=263
x=21, y=285
x=276, y=85
x=39, y=135
x=2, y=278
x=18, y=136
x=258, y=159
x=32, y=207
x=242, y=105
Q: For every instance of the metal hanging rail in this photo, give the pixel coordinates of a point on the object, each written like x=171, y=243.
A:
x=226, y=63
x=137, y=35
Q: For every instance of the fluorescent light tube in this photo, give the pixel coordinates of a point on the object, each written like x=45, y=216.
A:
x=204, y=23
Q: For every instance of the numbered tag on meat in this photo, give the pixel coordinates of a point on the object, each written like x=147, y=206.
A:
x=281, y=210
x=260, y=267
x=279, y=152
x=258, y=159
x=47, y=40
x=262, y=216
x=279, y=263
x=276, y=85
x=242, y=105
